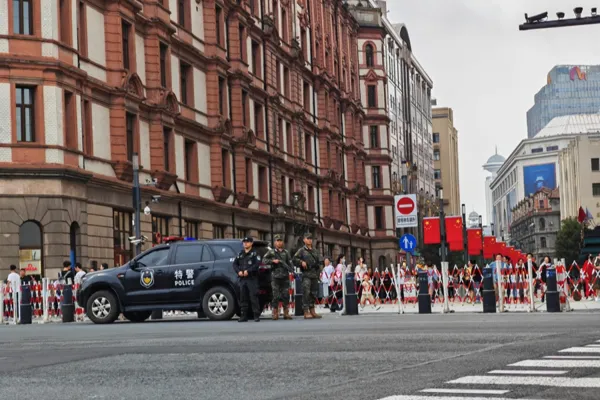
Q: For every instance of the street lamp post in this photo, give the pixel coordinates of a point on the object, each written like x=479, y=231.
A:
x=465, y=239
x=137, y=199
x=442, y=225
x=482, y=241
x=540, y=21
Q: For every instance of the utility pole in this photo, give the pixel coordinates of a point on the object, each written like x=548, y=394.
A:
x=540, y=21
x=465, y=239
x=442, y=225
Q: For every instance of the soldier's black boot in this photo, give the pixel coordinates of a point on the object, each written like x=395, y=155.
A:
x=243, y=317
x=256, y=317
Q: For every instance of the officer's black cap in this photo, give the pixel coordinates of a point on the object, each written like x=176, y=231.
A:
x=248, y=239
x=308, y=235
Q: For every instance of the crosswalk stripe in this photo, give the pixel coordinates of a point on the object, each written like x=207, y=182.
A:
x=575, y=357
x=415, y=397
x=581, y=350
x=529, y=381
x=465, y=391
x=593, y=345
x=558, y=364
x=526, y=372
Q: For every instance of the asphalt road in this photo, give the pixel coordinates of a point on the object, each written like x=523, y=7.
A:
x=364, y=357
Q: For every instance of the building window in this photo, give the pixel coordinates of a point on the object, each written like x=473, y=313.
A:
x=436, y=137
x=64, y=15
x=595, y=164
x=376, y=177
x=164, y=49
x=183, y=10
x=221, y=96
x=190, y=161
x=249, y=175
x=130, y=134
x=160, y=225
x=369, y=56
x=289, y=139
x=31, y=247
x=551, y=148
x=25, y=117
x=224, y=167
x=596, y=189
x=538, y=150
x=167, y=148
x=306, y=96
x=218, y=232
x=70, y=120
x=82, y=30
x=379, y=218
x=374, y=133
x=125, y=32
x=307, y=148
x=244, y=108
x=371, y=96
x=122, y=230
x=437, y=174
x=242, y=41
x=86, y=116
x=218, y=17
x=184, y=75
x=284, y=26
x=311, y=199
x=191, y=229
x=241, y=233
x=258, y=120
x=330, y=250
x=436, y=155
x=542, y=224
x=23, y=17
x=255, y=59
x=543, y=243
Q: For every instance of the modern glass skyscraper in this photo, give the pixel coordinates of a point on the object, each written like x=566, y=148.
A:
x=571, y=89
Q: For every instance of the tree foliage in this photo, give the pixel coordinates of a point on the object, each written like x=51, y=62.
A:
x=568, y=240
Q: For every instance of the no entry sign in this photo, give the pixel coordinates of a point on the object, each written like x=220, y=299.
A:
x=406, y=211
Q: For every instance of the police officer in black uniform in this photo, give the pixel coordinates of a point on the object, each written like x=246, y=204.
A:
x=246, y=267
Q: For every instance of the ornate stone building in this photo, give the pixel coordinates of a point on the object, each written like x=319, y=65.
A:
x=246, y=115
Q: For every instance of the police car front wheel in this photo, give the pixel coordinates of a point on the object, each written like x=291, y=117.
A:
x=102, y=307
x=219, y=304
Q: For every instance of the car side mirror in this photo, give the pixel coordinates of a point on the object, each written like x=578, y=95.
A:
x=133, y=264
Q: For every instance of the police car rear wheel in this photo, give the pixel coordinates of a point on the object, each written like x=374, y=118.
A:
x=137, y=316
x=102, y=307
x=218, y=304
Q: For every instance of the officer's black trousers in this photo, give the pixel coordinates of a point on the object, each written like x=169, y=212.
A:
x=249, y=294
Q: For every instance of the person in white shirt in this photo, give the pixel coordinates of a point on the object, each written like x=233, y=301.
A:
x=361, y=269
x=14, y=279
x=326, y=277
x=80, y=273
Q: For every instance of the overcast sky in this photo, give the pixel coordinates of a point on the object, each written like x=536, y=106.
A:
x=488, y=71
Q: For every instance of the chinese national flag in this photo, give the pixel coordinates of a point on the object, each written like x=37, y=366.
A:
x=474, y=241
x=454, y=230
x=431, y=230
x=489, y=246
x=455, y=246
x=501, y=248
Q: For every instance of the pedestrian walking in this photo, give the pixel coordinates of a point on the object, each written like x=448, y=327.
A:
x=67, y=276
x=79, y=273
x=14, y=279
x=327, y=281
x=280, y=261
x=246, y=266
x=308, y=259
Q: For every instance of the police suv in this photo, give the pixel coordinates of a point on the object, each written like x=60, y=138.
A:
x=180, y=275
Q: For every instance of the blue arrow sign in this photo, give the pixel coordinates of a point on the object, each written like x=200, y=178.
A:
x=408, y=243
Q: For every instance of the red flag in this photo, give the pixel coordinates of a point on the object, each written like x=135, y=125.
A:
x=501, y=248
x=475, y=242
x=455, y=246
x=489, y=246
x=582, y=215
x=454, y=230
x=431, y=230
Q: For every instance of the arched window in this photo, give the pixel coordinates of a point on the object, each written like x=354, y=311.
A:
x=75, y=242
x=30, y=248
x=369, y=55
x=543, y=243
x=542, y=224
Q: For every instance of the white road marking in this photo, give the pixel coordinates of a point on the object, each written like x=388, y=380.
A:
x=574, y=357
x=415, y=397
x=465, y=391
x=593, y=345
x=551, y=381
x=581, y=350
x=558, y=364
x=527, y=372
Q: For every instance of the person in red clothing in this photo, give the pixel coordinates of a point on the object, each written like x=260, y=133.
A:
x=588, y=276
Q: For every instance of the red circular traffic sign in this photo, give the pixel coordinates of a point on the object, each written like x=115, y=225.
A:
x=405, y=205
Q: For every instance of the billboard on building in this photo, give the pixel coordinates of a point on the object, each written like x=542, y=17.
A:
x=540, y=176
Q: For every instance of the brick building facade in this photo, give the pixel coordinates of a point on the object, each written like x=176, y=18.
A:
x=246, y=114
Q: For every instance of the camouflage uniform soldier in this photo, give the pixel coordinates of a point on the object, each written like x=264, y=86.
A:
x=309, y=260
x=280, y=261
